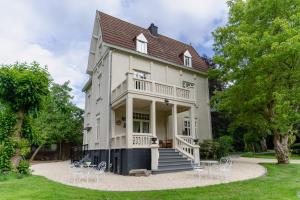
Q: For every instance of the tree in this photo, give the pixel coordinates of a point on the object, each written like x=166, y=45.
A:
x=22, y=88
x=258, y=57
x=59, y=120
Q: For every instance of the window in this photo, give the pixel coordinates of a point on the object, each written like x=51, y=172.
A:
x=186, y=84
x=141, y=46
x=196, y=127
x=141, y=43
x=187, y=127
x=98, y=129
x=187, y=59
x=99, y=86
x=141, y=123
x=139, y=74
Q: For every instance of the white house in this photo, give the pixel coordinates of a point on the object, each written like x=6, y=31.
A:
x=146, y=98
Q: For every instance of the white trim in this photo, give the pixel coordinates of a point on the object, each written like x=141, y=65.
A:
x=141, y=38
x=187, y=53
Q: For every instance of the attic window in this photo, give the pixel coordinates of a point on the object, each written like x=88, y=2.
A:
x=187, y=59
x=141, y=43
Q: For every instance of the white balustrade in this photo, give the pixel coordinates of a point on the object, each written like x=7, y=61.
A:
x=142, y=84
x=186, y=138
x=164, y=89
x=141, y=140
x=183, y=93
x=118, y=141
x=152, y=87
x=119, y=90
x=189, y=150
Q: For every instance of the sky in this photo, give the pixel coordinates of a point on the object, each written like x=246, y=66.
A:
x=57, y=33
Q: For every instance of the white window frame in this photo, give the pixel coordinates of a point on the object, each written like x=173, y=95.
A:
x=187, y=127
x=186, y=84
x=141, y=122
x=99, y=86
x=140, y=74
x=141, y=43
x=98, y=122
x=187, y=59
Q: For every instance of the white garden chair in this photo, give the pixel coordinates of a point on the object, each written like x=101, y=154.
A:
x=198, y=169
x=100, y=169
x=76, y=172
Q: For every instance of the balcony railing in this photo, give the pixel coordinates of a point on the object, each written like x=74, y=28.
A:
x=152, y=87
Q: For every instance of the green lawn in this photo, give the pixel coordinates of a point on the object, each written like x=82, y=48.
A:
x=281, y=182
x=266, y=155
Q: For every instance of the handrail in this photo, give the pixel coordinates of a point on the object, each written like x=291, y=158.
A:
x=187, y=138
x=185, y=147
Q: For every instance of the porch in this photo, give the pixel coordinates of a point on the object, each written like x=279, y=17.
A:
x=139, y=121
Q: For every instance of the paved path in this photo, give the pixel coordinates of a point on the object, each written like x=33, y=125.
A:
x=243, y=168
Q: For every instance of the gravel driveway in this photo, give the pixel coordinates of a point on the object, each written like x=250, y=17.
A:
x=242, y=169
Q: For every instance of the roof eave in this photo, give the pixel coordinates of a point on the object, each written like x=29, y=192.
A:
x=87, y=85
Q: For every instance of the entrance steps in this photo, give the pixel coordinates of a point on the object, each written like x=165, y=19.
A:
x=171, y=160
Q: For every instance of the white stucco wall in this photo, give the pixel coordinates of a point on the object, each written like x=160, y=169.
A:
x=122, y=62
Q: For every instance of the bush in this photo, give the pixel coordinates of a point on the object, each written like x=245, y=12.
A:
x=216, y=149
x=23, y=167
x=208, y=149
x=225, y=146
x=6, y=152
x=252, y=142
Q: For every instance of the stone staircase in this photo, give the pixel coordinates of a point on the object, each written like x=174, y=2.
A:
x=171, y=160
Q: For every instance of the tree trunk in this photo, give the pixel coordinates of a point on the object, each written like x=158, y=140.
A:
x=35, y=152
x=281, y=148
x=15, y=160
x=263, y=144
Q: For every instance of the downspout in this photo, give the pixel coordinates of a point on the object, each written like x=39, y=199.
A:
x=110, y=107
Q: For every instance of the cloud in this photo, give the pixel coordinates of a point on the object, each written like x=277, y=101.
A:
x=57, y=33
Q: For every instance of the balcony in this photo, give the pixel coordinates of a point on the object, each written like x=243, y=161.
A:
x=154, y=88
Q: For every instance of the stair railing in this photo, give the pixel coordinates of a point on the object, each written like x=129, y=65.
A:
x=189, y=150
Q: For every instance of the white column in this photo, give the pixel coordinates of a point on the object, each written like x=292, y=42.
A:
x=192, y=121
x=174, y=123
x=153, y=118
x=130, y=85
x=154, y=156
x=129, y=121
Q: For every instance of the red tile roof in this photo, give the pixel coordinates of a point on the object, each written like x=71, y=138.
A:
x=120, y=33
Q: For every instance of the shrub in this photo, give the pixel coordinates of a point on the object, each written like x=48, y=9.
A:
x=252, y=142
x=6, y=152
x=23, y=167
x=225, y=146
x=215, y=149
x=208, y=149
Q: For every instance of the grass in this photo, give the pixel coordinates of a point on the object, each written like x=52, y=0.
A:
x=266, y=155
x=282, y=182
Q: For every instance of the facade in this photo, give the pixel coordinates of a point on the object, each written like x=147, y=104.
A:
x=142, y=85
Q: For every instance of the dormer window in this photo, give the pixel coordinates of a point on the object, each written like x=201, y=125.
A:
x=187, y=59
x=141, y=43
